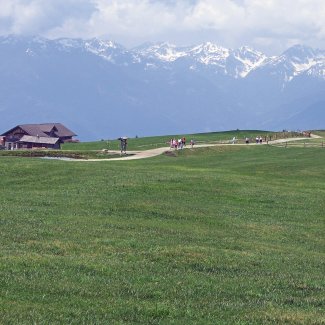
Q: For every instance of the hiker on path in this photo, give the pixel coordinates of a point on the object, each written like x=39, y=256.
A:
x=180, y=144
x=123, y=144
x=175, y=144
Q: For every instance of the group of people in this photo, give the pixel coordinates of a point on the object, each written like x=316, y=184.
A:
x=257, y=140
x=179, y=143
x=174, y=143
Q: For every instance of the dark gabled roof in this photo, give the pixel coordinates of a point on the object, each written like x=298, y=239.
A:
x=33, y=129
x=41, y=129
x=41, y=140
x=48, y=127
x=62, y=131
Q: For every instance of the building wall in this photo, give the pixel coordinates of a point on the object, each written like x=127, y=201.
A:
x=30, y=145
x=11, y=145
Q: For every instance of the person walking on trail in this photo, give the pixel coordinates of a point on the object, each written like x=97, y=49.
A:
x=171, y=144
x=180, y=144
x=175, y=144
x=123, y=144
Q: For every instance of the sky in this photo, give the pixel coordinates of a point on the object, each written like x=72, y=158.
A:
x=270, y=26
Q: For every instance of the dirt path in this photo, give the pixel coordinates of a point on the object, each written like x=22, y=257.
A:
x=134, y=155
x=315, y=136
x=286, y=140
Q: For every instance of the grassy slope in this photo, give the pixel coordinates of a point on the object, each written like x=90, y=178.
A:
x=319, y=132
x=213, y=236
x=162, y=141
x=74, y=154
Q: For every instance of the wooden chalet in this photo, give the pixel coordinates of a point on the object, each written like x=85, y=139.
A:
x=29, y=136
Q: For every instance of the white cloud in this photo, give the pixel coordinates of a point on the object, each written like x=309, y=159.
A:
x=270, y=25
x=40, y=16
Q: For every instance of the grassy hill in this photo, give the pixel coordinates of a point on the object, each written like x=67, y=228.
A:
x=146, y=143
x=221, y=235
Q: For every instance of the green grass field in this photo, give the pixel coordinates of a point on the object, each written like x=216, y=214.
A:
x=163, y=141
x=320, y=133
x=73, y=154
x=221, y=235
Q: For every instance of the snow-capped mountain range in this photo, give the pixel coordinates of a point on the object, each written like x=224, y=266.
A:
x=236, y=63
x=158, y=88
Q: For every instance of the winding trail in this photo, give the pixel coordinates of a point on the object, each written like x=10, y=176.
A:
x=134, y=155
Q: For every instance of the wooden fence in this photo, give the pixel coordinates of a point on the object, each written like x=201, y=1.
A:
x=299, y=144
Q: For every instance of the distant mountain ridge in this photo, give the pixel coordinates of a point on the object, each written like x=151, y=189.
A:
x=101, y=89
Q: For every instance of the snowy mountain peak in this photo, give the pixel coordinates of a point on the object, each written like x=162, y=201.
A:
x=250, y=53
x=209, y=47
x=295, y=61
x=236, y=63
x=104, y=49
x=300, y=53
x=249, y=59
x=209, y=53
x=101, y=45
x=162, y=51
